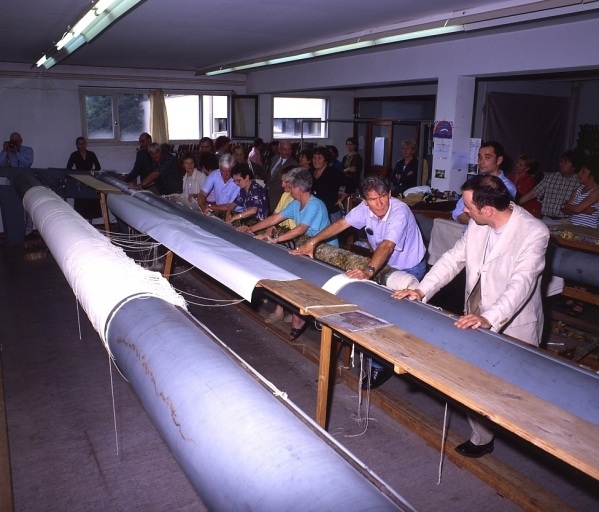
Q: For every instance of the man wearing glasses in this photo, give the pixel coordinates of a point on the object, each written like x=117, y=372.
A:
x=225, y=189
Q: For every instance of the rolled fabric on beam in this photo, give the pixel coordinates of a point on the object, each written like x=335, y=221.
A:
x=550, y=378
x=241, y=447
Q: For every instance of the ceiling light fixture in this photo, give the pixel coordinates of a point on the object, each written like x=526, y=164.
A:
x=341, y=48
x=504, y=12
x=101, y=15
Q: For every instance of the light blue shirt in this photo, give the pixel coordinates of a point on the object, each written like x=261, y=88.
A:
x=22, y=158
x=459, y=207
x=314, y=215
x=224, y=193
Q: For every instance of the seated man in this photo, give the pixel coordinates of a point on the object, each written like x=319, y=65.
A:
x=14, y=154
x=556, y=187
x=393, y=234
x=142, y=167
x=165, y=172
x=224, y=188
x=251, y=201
x=490, y=158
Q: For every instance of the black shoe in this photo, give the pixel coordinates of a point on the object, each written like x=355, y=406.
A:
x=474, y=451
x=378, y=376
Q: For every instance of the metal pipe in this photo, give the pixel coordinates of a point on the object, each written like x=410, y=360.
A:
x=550, y=378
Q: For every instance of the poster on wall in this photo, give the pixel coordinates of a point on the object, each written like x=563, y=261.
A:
x=443, y=130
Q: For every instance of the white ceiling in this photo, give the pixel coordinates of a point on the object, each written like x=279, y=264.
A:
x=191, y=35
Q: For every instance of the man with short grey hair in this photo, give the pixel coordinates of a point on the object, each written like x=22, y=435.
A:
x=224, y=188
x=165, y=172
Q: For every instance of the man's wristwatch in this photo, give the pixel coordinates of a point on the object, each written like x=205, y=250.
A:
x=371, y=268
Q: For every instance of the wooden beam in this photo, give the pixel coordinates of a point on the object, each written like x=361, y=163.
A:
x=6, y=495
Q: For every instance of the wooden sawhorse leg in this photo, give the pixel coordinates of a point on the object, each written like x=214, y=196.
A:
x=324, y=376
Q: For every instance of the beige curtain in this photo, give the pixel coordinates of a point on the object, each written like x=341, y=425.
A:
x=158, y=117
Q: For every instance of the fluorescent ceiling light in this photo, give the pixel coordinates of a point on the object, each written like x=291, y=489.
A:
x=504, y=12
x=99, y=17
x=340, y=48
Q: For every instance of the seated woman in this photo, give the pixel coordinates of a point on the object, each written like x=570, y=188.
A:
x=193, y=179
x=250, y=202
x=405, y=172
x=279, y=313
x=523, y=176
x=583, y=205
x=310, y=216
x=328, y=181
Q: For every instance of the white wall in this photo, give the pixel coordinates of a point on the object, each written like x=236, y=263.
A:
x=44, y=108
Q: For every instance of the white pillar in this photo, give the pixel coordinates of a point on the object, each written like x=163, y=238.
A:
x=455, y=103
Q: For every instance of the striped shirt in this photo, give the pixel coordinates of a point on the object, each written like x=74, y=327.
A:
x=585, y=219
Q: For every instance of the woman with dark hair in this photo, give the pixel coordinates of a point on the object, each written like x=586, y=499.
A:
x=523, y=176
x=305, y=158
x=327, y=182
x=82, y=159
x=352, y=163
x=583, y=205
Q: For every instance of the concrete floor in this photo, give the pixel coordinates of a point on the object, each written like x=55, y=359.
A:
x=61, y=428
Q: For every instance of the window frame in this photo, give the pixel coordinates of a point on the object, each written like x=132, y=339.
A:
x=115, y=92
x=324, y=121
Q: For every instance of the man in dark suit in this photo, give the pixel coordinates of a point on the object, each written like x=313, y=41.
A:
x=143, y=163
x=273, y=184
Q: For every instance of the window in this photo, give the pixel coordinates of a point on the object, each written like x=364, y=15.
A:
x=183, y=112
x=114, y=116
x=294, y=118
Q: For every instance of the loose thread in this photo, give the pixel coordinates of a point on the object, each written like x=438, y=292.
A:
x=116, y=433
x=444, y=436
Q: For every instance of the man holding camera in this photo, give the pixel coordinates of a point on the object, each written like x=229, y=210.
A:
x=14, y=154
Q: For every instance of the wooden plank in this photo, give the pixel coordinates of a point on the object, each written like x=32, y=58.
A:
x=583, y=295
x=551, y=428
x=168, y=265
x=94, y=183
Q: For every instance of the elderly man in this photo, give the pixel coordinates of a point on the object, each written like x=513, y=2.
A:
x=556, y=188
x=165, y=172
x=222, y=185
x=143, y=163
x=393, y=234
x=14, y=154
x=490, y=158
x=273, y=183
x=503, y=252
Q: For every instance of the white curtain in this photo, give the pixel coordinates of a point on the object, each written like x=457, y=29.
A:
x=158, y=117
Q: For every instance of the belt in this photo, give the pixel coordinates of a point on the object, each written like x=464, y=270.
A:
x=554, y=218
